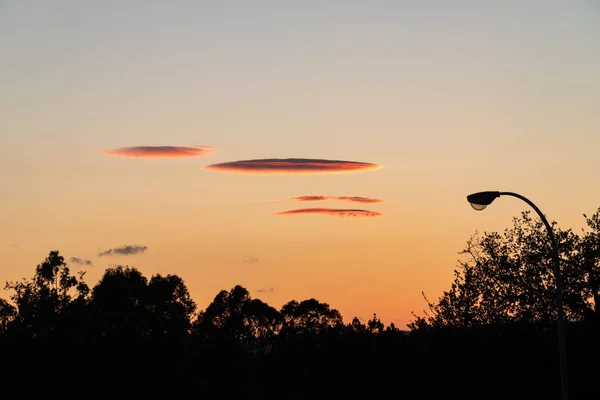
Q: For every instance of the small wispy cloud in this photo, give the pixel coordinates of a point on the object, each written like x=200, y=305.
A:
x=352, y=199
x=292, y=166
x=80, y=261
x=126, y=250
x=266, y=290
x=250, y=260
x=336, y=212
x=161, y=151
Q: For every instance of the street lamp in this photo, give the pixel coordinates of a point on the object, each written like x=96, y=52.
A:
x=479, y=201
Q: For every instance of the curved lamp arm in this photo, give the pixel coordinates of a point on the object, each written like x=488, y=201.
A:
x=559, y=289
x=555, y=254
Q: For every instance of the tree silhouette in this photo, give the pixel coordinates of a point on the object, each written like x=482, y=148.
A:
x=490, y=335
x=356, y=326
x=8, y=314
x=41, y=301
x=375, y=325
x=170, y=306
x=509, y=278
x=310, y=317
x=119, y=303
x=589, y=259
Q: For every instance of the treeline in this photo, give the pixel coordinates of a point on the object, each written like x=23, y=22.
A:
x=509, y=278
x=490, y=335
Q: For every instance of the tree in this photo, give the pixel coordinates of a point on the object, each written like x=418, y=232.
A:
x=589, y=260
x=170, y=306
x=8, y=314
x=375, y=325
x=125, y=302
x=235, y=316
x=356, y=326
x=41, y=301
x=262, y=320
x=118, y=301
x=509, y=277
x=310, y=316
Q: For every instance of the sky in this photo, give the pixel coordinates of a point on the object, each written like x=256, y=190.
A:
x=442, y=98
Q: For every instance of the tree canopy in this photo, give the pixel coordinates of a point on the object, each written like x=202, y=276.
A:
x=491, y=334
x=509, y=277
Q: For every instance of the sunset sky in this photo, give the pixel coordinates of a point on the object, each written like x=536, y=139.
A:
x=439, y=98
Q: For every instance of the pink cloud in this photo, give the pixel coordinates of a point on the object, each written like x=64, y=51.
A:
x=292, y=166
x=337, y=212
x=161, y=151
x=353, y=199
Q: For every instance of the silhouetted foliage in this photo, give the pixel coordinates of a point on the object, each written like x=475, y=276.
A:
x=8, y=314
x=44, y=300
x=490, y=335
x=509, y=278
x=310, y=317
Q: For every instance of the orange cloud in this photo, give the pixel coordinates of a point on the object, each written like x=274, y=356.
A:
x=353, y=199
x=292, y=166
x=161, y=151
x=337, y=212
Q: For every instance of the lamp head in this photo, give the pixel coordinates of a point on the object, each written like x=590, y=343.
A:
x=479, y=201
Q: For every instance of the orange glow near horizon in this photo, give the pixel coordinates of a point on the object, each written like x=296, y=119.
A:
x=104, y=123
x=301, y=166
x=337, y=212
x=161, y=151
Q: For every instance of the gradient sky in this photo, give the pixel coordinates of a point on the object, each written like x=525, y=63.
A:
x=451, y=97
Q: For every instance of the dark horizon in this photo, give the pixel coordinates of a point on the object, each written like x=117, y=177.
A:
x=492, y=334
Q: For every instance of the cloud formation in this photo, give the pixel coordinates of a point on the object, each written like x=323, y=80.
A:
x=126, y=250
x=250, y=260
x=337, y=212
x=292, y=166
x=353, y=199
x=161, y=151
x=80, y=261
x=265, y=290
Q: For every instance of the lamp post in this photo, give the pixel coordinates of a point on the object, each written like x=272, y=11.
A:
x=480, y=201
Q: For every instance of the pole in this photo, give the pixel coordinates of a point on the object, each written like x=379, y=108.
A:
x=562, y=348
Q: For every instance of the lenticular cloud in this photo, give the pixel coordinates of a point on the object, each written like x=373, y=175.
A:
x=336, y=212
x=292, y=166
x=161, y=151
x=352, y=199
